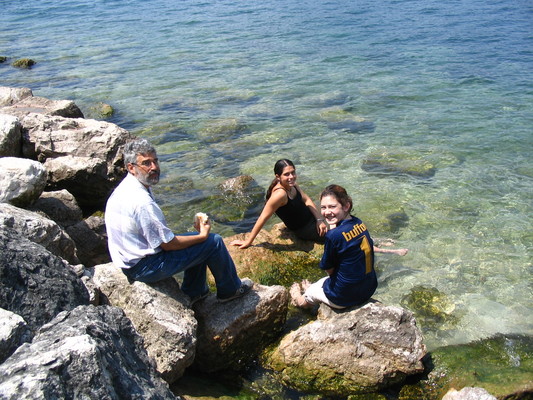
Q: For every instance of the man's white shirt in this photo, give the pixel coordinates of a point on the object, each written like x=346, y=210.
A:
x=135, y=224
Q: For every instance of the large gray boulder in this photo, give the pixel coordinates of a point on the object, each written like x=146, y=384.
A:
x=82, y=156
x=232, y=334
x=60, y=206
x=10, y=136
x=87, y=353
x=40, y=230
x=468, y=393
x=159, y=312
x=21, y=181
x=20, y=102
x=13, y=333
x=354, y=351
x=36, y=284
x=10, y=95
x=91, y=240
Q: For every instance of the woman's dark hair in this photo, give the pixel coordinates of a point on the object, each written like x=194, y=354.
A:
x=339, y=193
x=278, y=170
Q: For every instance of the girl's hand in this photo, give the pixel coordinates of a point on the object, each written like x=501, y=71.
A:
x=322, y=228
x=241, y=244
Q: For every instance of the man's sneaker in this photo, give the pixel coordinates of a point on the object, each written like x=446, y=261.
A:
x=246, y=286
x=198, y=298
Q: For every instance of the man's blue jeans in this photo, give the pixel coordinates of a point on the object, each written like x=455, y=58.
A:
x=193, y=261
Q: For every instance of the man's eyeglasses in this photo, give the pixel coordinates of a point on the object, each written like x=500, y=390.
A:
x=147, y=163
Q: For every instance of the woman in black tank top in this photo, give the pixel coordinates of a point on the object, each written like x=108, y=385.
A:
x=291, y=205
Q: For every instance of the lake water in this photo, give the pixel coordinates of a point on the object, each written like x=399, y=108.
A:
x=423, y=110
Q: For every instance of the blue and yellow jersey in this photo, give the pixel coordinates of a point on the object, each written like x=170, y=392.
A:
x=349, y=251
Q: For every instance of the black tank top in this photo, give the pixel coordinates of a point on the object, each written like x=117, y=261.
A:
x=295, y=214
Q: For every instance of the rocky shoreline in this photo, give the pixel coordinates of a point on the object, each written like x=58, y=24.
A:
x=74, y=327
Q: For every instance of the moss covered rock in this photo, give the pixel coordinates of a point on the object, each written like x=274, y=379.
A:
x=24, y=63
x=431, y=307
x=502, y=365
x=102, y=110
x=352, y=351
x=277, y=257
x=221, y=130
x=397, y=162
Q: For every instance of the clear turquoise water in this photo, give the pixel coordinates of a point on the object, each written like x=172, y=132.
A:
x=444, y=83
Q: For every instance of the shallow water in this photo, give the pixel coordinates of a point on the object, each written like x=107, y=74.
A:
x=332, y=86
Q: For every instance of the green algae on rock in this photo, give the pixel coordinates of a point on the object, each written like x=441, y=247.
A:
x=502, y=365
x=398, y=163
x=24, y=63
x=431, y=307
x=102, y=110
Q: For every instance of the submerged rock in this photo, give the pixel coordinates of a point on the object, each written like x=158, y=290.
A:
x=23, y=63
x=101, y=110
x=221, y=130
x=501, y=365
x=431, y=307
x=398, y=163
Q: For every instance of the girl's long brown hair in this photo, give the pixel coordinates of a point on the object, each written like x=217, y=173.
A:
x=278, y=170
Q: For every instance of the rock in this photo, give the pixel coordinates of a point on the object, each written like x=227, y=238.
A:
x=468, y=393
x=501, y=365
x=353, y=351
x=233, y=199
x=87, y=353
x=60, y=206
x=101, y=110
x=91, y=241
x=431, y=307
x=41, y=105
x=277, y=257
x=22, y=181
x=23, y=63
x=398, y=163
x=82, y=156
x=35, y=284
x=159, y=312
x=222, y=130
x=13, y=333
x=10, y=96
x=10, y=136
x=232, y=334
x=331, y=99
x=40, y=230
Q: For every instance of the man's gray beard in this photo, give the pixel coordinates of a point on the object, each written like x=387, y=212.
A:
x=148, y=181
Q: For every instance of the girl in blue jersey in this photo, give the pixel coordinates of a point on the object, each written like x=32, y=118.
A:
x=348, y=258
x=291, y=205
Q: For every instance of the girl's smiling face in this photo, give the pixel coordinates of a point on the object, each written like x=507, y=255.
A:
x=333, y=211
x=288, y=176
